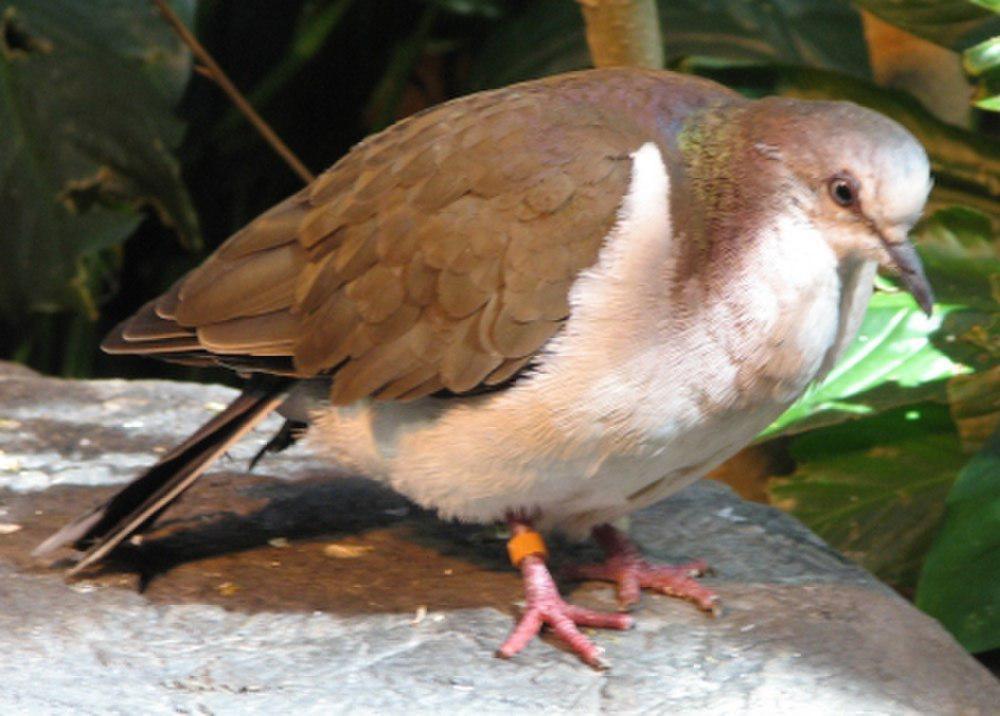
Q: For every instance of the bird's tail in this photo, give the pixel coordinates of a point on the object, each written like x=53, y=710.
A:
x=141, y=502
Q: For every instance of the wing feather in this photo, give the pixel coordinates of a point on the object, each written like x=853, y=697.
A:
x=438, y=254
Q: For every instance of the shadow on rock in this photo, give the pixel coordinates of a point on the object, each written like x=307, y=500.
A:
x=338, y=544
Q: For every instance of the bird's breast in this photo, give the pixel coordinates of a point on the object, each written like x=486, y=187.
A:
x=656, y=395
x=657, y=376
x=659, y=357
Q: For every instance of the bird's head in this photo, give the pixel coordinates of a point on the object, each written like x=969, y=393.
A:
x=861, y=178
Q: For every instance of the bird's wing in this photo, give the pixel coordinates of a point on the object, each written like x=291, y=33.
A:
x=437, y=254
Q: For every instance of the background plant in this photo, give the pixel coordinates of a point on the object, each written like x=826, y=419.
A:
x=120, y=167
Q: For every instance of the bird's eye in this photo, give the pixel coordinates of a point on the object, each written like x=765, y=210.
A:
x=844, y=190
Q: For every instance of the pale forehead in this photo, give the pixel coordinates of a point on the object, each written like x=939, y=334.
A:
x=899, y=183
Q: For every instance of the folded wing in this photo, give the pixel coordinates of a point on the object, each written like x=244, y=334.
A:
x=437, y=254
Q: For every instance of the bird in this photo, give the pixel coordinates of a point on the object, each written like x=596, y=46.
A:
x=546, y=305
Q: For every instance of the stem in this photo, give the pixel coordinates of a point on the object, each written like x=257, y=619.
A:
x=78, y=348
x=311, y=33
x=623, y=32
x=211, y=67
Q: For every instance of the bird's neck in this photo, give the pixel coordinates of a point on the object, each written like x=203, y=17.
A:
x=735, y=182
x=758, y=232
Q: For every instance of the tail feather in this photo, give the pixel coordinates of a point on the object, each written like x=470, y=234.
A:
x=141, y=502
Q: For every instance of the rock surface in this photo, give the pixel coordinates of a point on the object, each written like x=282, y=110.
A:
x=294, y=587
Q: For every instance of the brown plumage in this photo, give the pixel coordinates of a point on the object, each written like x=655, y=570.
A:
x=437, y=254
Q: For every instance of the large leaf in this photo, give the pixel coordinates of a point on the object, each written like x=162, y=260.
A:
x=960, y=581
x=962, y=253
x=875, y=489
x=891, y=363
x=548, y=37
x=951, y=23
x=87, y=91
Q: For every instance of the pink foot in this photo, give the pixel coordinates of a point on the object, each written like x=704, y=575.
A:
x=626, y=568
x=545, y=606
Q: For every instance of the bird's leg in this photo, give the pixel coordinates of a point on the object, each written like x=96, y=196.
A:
x=543, y=605
x=625, y=567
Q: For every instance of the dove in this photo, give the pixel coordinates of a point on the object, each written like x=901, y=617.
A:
x=550, y=305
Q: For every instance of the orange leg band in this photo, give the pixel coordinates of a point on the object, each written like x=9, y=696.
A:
x=526, y=543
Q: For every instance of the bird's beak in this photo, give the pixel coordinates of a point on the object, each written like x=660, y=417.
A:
x=904, y=261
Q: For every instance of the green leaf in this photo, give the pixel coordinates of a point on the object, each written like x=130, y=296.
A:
x=87, y=92
x=875, y=489
x=991, y=104
x=962, y=254
x=983, y=62
x=891, y=363
x=955, y=24
x=548, y=37
x=962, y=257
x=980, y=59
x=960, y=581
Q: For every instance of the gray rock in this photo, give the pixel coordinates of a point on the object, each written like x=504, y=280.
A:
x=300, y=588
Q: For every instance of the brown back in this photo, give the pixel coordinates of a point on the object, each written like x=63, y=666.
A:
x=436, y=254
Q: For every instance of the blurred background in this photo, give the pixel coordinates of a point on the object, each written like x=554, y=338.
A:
x=122, y=165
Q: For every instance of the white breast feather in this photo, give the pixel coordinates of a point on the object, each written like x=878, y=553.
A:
x=619, y=411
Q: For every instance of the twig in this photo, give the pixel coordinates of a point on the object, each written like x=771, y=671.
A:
x=210, y=68
x=623, y=32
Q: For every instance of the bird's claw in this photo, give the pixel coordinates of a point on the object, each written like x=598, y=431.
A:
x=631, y=573
x=544, y=607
